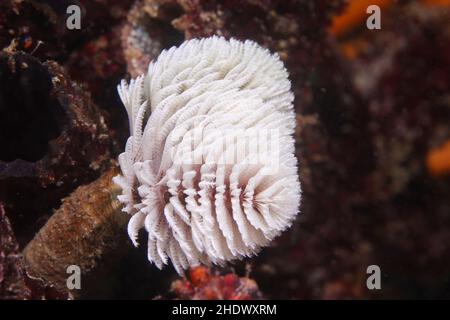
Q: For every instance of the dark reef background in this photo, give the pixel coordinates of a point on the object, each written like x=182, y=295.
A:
x=373, y=141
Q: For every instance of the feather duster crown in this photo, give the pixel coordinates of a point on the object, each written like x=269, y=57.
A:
x=209, y=169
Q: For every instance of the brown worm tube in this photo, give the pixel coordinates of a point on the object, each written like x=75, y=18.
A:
x=86, y=228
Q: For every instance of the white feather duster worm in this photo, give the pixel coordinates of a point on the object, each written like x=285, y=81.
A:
x=209, y=169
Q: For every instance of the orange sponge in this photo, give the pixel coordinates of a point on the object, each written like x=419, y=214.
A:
x=438, y=160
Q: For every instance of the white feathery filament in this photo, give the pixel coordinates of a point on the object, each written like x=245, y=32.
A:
x=209, y=169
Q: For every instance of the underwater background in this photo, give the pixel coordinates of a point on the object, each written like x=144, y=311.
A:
x=373, y=143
